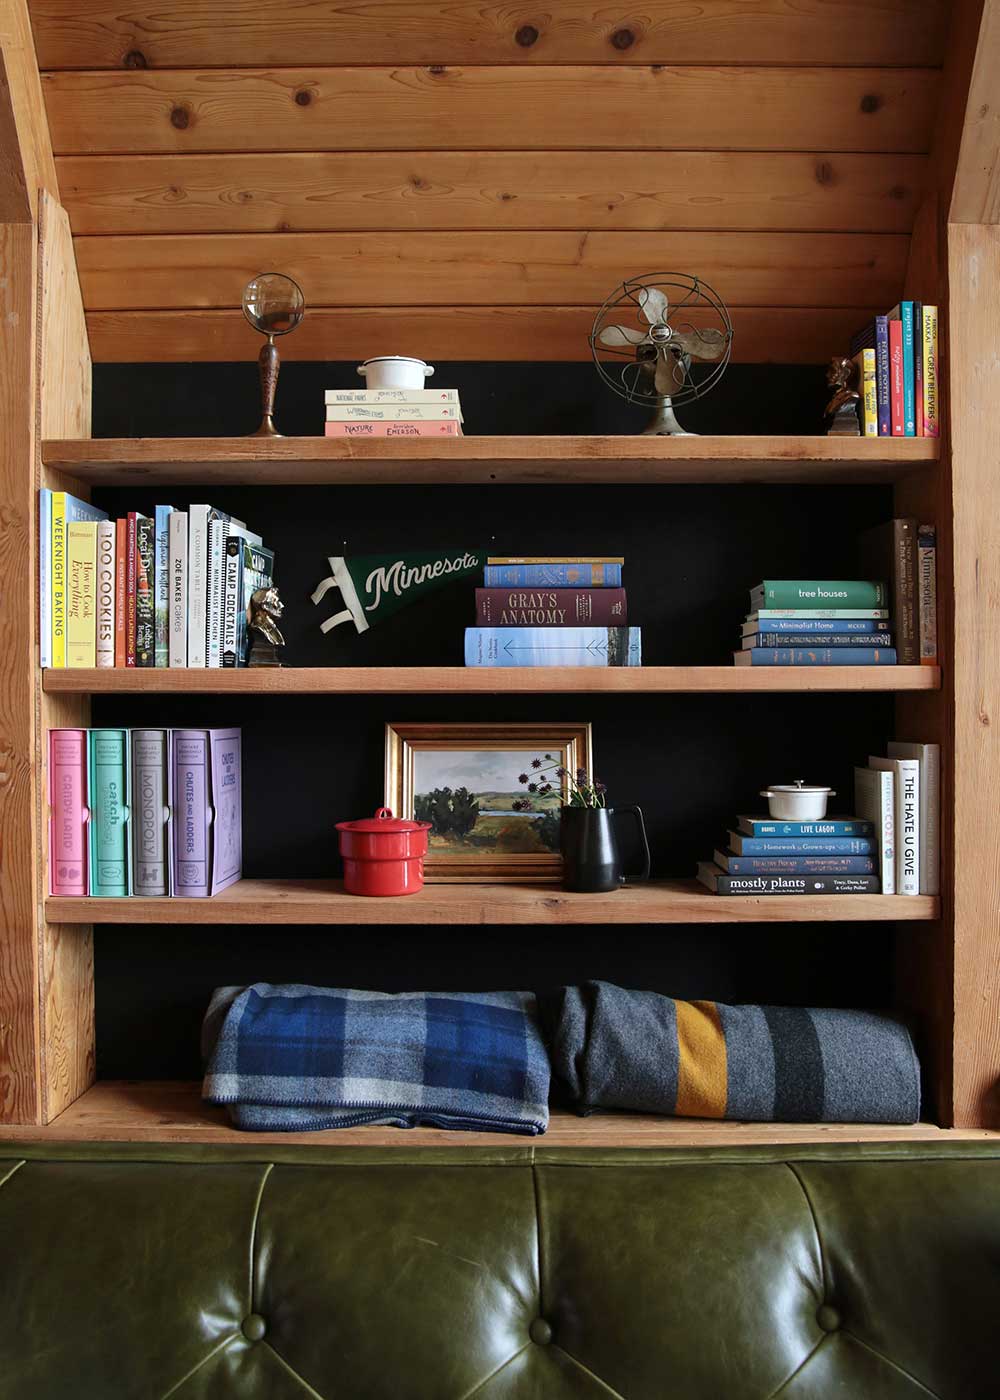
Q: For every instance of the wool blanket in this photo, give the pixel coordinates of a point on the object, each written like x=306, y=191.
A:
x=288, y=1058
x=613, y=1048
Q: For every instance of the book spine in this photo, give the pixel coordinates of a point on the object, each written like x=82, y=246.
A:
x=145, y=585
x=909, y=416
x=191, y=812
x=569, y=575
x=882, y=376
x=393, y=413
x=873, y=796
x=81, y=593
x=904, y=580
x=121, y=589
x=896, y=379
x=131, y=567
x=108, y=813
x=756, y=826
x=218, y=528
x=177, y=651
x=227, y=804
x=918, y=368
x=161, y=577
x=554, y=607
x=197, y=583
x=789, y=626
x=932, y=422
x=391, y=396
x=58, y=568
x=801, y=846
x=232, y=594
x=449, y=429
x=799, y=865
x=769, y=615
x=44, y=577
x=68, y=811
x=869, y=393
x=791, y=884
x=930, y=820
x=106, y=572
x=814, y=639
x=552, y=646
x=149, y=806
x=819, y=656
x=927, y=593
x=907, y=772
x=819, y=593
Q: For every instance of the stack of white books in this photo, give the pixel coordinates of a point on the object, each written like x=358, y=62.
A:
x=393, y=413
x=901, y=796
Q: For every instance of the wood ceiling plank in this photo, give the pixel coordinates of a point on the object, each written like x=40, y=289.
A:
x=477, y=269
x=763, y=334
x=23, y=98
x=425, y=190
x=493, y=108
x=976, y=195
x=96, y=34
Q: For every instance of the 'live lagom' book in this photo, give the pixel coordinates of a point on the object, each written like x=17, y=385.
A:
x=553, y=646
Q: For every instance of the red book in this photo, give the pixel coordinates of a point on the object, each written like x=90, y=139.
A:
x=449, y=428
x=121, y=584
x=130, y=579
x=551, y=607
x=896, y=378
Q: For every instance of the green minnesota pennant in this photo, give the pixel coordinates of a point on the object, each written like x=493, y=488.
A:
x=374, y=585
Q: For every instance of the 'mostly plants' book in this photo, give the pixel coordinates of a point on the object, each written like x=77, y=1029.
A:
x=720, y=883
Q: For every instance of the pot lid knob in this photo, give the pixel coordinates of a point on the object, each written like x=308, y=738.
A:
x=384, y=814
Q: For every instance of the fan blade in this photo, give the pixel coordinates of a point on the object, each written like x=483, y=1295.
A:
x=667, y=378
x=621, y=335
x=653, y=304
x=707, y=344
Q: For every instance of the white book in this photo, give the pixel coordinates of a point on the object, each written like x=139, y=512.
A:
x=106, y=593
x=391, y=396
x=928, y=757
x=178, y=599
x=874, y=799
x=198, y=518
x=906, y=796
x=218, y=527
x=393, y=412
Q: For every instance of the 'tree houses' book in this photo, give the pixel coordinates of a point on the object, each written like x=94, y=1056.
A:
x=794, y=865
x=721, y=883
x=554, y=572
x=553, y=646
x=68, y=811
x=109, y=812
x=873, y=796
x=830, y=826
x=551, y=607
x=819, y=593
x=150, y=812
x=816, y=656
x=207, y=824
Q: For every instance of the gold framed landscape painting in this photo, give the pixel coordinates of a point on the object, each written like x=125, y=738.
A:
x=466, y=780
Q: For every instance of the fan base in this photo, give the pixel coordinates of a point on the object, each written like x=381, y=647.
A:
x=664, y=423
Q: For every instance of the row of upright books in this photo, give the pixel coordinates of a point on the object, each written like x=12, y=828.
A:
x=552, y=611
x=167, y=589
x=361, y=413
x=897, y=360
x=151, y=812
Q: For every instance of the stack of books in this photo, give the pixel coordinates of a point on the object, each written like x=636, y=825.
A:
x=901, y=796
x=817, y=622
x=552, y=611
x=838, y=855
x=905, y=552
x=149, y=812
x=167, y=589
x=393, y=413
x=897, y=359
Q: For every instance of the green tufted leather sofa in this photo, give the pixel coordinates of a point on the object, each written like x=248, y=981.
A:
x=505, y=1272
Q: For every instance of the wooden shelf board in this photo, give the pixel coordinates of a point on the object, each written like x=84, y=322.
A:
x=474, y=680
x=143, y=1111
x=500, y=460
x=283, y=901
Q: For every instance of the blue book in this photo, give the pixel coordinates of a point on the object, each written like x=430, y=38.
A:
x=865, y=626
x=904, y=313
x=553, y=646
x=580, y=575
x=831, y=826
x=802, y=846
x=816, y=656
x=45, y=577
x=794, y=865
x=161, y=584
x=813, y=639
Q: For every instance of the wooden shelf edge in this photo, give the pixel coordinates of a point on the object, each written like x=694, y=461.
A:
x=172, y=1112
x=323, y=902
x=472, y=680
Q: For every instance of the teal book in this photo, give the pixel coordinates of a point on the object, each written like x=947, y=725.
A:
x=108, y=764
x=819, y=593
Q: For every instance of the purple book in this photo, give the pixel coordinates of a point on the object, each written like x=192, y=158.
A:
x=207, y=829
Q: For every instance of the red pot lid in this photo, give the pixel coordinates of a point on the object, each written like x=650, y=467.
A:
x=383, y=821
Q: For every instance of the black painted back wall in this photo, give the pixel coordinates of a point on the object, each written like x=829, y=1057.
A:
x=691, y=761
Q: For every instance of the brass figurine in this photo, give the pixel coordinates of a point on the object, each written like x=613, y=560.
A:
x=843, y=409
x=274, y=305
x=263, y=612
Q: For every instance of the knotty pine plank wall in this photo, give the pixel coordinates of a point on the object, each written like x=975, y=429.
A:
x=464, y=180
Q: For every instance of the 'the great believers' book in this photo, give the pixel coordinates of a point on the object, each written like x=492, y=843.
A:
x=68, y=811
x=551, y=607
x=553, y=646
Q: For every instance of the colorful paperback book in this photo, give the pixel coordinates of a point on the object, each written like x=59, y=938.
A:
x=150, y=812
x=121, y=589
x=882, y=376
x=68, y=812
x=207, y=825
x=896, y=394
x=177, y=641
x=161, y=586
x=197, y=566
x=109, y=813
x=927, y=593
x=65, y=509
x=232, y=649
x=819, y=593
x=830, y=826
x=816, y=656
x=553, y=646
x=743, y=845
x=932, y=422
x=406, y=412
x=145, y=591
x=795, y=865
x=781, y=626
x=551, y=607
x=335, y=396
x=451, y=428
x=720, y=883
x=81, y=593
x=762, y=616
x=215, y=596
x=44, y=577
x=865, y=362
x=106, y=567
x=902, y=314
x=891, y=549
x=131, y=568
x=918, y=367
x=874, y=797
x=556, y=573
x=814, y=639
x=928, y=760
x=906, y=793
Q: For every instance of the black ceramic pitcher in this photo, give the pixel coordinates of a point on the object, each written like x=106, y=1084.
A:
x=591, y=861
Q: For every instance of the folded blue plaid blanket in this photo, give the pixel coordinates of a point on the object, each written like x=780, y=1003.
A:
x=288, y=1058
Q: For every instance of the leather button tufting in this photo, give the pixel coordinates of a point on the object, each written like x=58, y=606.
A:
x=540, y=1332
x=254, y=1328
x=828, y=1317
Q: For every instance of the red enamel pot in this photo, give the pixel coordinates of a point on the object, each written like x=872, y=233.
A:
x=383, y=854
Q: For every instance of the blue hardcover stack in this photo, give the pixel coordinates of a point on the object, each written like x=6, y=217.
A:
x=838, y=855
x=817, y=622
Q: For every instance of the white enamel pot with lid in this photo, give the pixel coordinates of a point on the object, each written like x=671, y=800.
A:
x=796, y=802
x=395, y=372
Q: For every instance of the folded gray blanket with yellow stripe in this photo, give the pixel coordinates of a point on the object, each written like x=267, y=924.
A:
x=613, y=1048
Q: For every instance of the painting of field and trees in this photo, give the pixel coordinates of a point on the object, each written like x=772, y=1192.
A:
x=478, y=803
